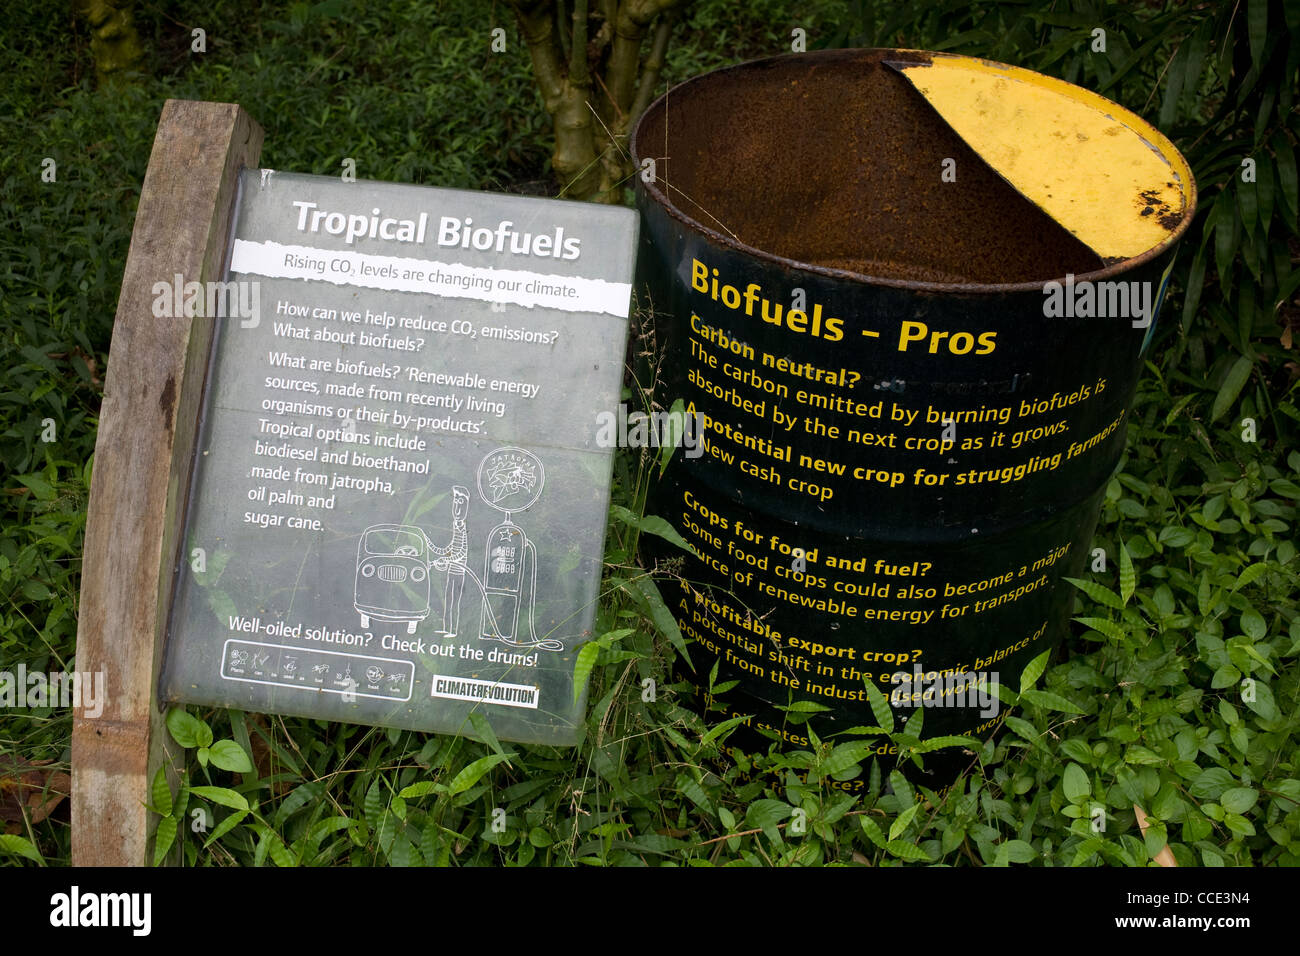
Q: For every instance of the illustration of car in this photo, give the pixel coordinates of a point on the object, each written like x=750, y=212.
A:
x=393, y=575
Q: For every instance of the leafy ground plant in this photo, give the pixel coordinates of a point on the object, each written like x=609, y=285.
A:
x=1173, y=700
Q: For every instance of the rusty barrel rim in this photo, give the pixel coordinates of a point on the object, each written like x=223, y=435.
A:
x=1153, y=138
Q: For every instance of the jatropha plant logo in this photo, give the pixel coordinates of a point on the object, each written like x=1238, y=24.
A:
x=241, y=300
x=35, y=689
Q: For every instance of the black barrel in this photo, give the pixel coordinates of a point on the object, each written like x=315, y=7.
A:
x=911, y=347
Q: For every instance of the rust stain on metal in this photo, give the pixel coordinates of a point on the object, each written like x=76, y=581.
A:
x=840, y=167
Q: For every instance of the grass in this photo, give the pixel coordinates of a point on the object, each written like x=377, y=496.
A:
x=1176, y=690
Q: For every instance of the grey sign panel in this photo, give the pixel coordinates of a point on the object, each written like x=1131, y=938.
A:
x=398, y=502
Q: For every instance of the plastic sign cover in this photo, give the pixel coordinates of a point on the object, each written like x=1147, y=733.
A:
x=398, y=502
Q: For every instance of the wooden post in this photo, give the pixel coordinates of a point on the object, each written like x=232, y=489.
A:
x=152, y=393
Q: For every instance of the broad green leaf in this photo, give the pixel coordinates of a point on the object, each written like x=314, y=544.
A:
x=421, y=788
x=1225, y=676
x=1127, y=577
x=1175, y=76
x=1074, y=783
x=280, y=853
x=1050, y=701
x=625, y=515
x=906, y=851
x=1077, y=750
x=161, y=794
x=475, y=771
x=1284, y=486
x=582, y=666
x=1018, y=851
x=1248, y=205
x=1143, y=756
x=1257, y=29
x=222, y=796
x=228, y=755
x=1252, y=651
x=844, y=756
x=880, y=706
x=21, y=846
x=1253, y=625
x=899, y=826
x=186, y=729
x=1033, y=670
x=1226, y=238
x=1195, y=284
x=163, y=839
x=300, y=797
x=646, y=593
x=766, y=814
x=872, y=830
x=1098, y=592
x=1238, y=799
x=40, y=488
x=694, y=792
x=1232, y=385
x=714, y=732
x=949, y=740
x=1156, y=837
x=804, y=707
x=1284, y=156
x=646, y=842
x=225, y=826
x=1250, y=576
x=1261, y=701
x=1087, y=850
x=653, y=524
x=1239, y=824
x=483, y=728
x=323, y=828
x=1102, y=626
x=1005, y=694
x=1203, y=594
x=1025, y=729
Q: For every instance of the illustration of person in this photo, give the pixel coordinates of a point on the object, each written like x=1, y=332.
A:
x=452, y=559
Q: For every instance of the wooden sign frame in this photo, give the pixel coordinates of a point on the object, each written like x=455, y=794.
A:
x=147, y=427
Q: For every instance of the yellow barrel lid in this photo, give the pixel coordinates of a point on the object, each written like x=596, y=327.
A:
x=1102, y=172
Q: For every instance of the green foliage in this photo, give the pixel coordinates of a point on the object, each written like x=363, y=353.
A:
x=1177, y=693
x=1221, y=80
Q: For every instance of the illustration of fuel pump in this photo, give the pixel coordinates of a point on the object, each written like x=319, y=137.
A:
x=510, y=480
x=453, y=559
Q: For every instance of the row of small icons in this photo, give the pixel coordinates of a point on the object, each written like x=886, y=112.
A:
x=256, y=661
